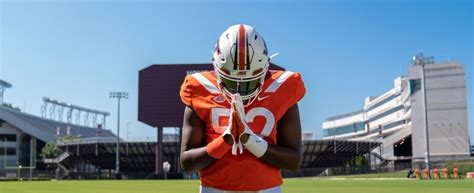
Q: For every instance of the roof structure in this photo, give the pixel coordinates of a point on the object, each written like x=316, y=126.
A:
x=45, y=129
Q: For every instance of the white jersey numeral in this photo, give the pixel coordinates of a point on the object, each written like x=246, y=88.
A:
x=217, y=113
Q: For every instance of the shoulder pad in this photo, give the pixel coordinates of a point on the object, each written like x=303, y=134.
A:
x=290, y=84
x=196, y=85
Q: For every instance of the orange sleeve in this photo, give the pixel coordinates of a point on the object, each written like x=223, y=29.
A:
x=191, y=94
x=217, y=148
x=188, y=90
x=290, y=93
x=300, y=90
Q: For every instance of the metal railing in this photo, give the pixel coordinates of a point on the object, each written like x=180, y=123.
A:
x=89, y=140
x=389, y=170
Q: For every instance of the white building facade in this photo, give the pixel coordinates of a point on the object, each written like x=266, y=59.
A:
x=396, y=119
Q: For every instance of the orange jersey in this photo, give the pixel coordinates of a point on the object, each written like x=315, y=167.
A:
x=281, y=90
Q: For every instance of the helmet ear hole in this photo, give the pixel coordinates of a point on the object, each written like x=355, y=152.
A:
x=257, y=71
x=225, y=71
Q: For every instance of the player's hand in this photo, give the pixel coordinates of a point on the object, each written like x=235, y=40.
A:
x=220, y=146
x=239, y=117
x=243, y=129
x=254, y=143
x=237, y=125
x=234, y=128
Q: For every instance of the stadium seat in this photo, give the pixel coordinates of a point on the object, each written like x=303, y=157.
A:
x=426, y=174
x=417, y=173
x=436, y=173
x=446, y=173
x=470, y=175
x=456, y=173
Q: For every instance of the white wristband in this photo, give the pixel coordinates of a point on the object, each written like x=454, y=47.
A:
x=256, y=145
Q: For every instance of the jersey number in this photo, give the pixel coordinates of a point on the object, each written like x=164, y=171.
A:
x=217, y=113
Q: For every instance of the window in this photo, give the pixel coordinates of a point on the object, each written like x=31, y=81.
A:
x=380, y=103
x=8, y=137
x=394, y=124
x=386, y=113
x=10, y=151
x=344, y=129
x=415, y=85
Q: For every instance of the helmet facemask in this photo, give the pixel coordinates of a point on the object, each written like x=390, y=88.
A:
x=248, y=88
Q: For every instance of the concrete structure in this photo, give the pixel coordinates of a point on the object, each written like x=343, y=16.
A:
x=21, y=132
x=396, y=119
x=307, y=136
x=446, y=108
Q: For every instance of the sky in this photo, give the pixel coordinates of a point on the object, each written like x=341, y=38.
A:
x=79, y=51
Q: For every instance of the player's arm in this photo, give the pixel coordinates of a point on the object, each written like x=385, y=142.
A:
x=286, y=154
x=193, y=143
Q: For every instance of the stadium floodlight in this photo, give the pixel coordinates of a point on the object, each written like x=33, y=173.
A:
x=421, y=61
x=3, y=86
x=119, y=96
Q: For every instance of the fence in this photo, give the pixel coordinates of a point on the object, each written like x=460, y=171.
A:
x=347, y=170
x=26, y=174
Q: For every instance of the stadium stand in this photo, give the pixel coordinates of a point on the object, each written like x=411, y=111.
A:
x=45, y=129
x=19, y=132
x=137, y=159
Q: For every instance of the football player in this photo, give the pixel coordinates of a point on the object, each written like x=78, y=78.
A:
x=241, y=121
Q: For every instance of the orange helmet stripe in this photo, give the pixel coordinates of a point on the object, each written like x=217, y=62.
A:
x=242, y=47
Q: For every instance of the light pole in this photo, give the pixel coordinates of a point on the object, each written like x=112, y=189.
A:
x=119, y=96
x=420, y=60
x=3, y=86
x=128, y=126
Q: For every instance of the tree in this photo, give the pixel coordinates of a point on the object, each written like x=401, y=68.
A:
x=360, y=160
x=50, y=151
x=10, y=106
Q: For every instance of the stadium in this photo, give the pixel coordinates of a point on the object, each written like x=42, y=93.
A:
x=90, y=152
x=88, y=149
x=77, y=79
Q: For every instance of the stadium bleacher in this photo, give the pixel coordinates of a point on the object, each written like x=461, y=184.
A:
x=45, y=129
x=137, y=159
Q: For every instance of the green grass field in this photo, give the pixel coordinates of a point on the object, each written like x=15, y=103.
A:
x=302, y=185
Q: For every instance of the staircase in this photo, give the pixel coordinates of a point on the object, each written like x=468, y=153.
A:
x=59, y=159
x=58, y=162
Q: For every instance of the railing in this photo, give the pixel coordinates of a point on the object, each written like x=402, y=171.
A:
x=347, y=170
x=88, y=140
x=390, y=169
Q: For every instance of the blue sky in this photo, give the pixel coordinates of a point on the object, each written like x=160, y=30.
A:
x=78, y=51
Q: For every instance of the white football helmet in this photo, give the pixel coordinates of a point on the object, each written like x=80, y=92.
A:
x=241, y=62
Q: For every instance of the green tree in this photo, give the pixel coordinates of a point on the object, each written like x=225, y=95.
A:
x=50, y=151
x=360, y=160
x=10, y=106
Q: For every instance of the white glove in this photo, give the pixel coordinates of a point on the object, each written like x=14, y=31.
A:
x=228, y=131
x=255, y=144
